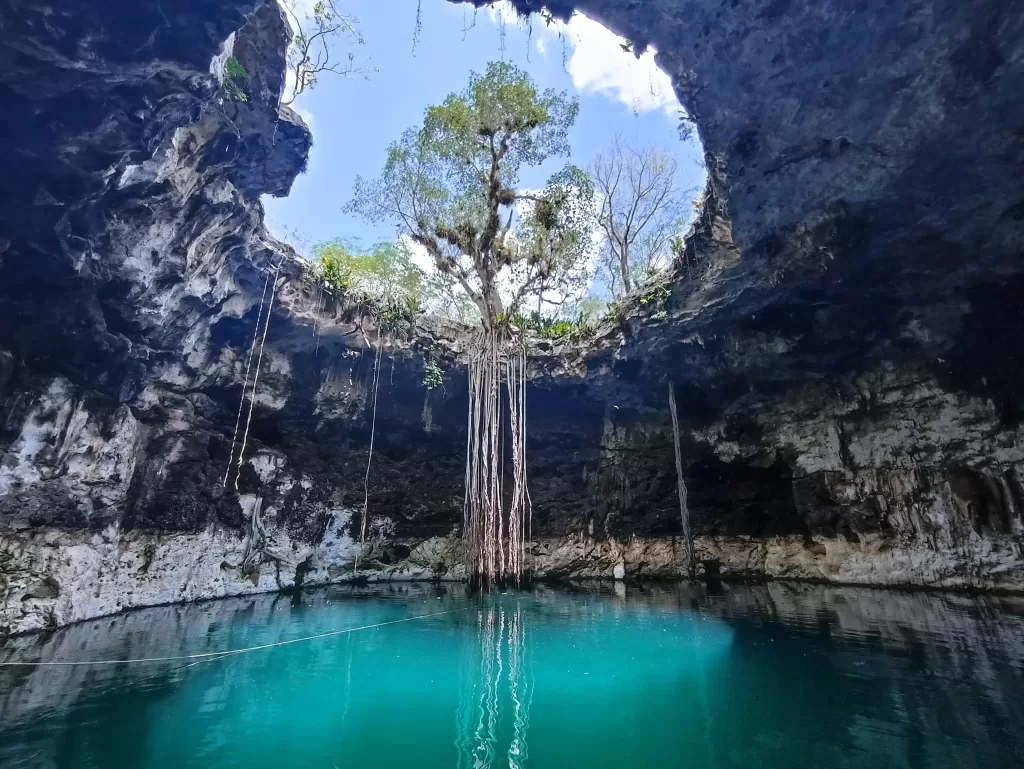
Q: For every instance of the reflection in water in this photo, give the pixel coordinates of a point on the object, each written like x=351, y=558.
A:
x=496, y=682
x=770, y=676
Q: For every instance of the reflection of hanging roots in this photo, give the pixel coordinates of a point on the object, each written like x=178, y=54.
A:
x=487, y=691
x=495, y=538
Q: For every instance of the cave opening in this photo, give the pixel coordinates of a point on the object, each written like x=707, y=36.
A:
x=682, y=457
x=580, y=241
x=401, y=58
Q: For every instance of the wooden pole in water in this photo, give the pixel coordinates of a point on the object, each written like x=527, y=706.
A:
x=684, y=510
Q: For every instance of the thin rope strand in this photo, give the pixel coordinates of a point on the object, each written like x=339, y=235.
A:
x=245, y=383
x=231, y=652
x=369, y=457
x=256, y=379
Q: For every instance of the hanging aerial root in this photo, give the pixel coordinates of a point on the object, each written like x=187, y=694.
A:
x=495, y=534
x=684, y=510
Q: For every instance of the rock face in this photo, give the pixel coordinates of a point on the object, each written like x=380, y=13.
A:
x=843, y=335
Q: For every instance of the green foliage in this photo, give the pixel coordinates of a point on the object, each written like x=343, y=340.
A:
x=450, y=187
x=319, y=31
x=385, y=280
x=592, y=309
x=232, y=80
x=575, y=329
x=654, y=293
x=434, y=377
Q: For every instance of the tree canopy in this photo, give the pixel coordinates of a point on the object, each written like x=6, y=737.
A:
x=641, y=211
x=451, y=187
x=317, y=32
x=386, y=274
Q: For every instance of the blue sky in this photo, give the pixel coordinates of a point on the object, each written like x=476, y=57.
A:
x=354, y=119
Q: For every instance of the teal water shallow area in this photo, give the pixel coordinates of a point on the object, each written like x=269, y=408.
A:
x=596, y=676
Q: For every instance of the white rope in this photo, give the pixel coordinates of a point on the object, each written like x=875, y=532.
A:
x=256, y=379
x=369, y=457
x=245, y=384
x=218, y=655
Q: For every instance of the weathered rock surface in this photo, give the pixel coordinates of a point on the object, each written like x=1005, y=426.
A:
x=843, y=337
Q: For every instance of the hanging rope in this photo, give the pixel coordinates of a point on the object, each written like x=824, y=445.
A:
x=256, y=379
x=245, y=384
x=369, y=458
x=232, y=652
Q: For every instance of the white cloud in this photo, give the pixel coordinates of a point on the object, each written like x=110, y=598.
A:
x=600, y=65
x=597, y=62
x=419, y=255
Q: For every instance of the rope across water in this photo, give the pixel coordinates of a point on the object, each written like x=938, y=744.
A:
x=231, y=652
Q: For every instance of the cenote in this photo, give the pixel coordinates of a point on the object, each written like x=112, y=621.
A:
x=612, y=384
x=591, y=675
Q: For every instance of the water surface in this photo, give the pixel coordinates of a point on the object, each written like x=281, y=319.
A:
x=596, y=676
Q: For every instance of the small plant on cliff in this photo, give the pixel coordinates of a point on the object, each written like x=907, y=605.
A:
x=656, y=291
x=232, y=80
x=433, y=378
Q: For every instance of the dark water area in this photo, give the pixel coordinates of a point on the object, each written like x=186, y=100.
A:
x=595, y=676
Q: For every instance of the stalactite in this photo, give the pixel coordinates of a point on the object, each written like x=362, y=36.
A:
x=256, y=378
x=245, y=382
x=684, y=510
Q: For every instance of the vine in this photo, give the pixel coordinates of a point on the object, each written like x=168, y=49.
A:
x=684, y=510
x=418, y=30
x=232, y=79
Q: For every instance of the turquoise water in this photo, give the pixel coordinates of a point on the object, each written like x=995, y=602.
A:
x=614, y=677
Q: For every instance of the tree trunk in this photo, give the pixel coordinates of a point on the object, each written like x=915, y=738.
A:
x=624, y=263
x=684, y=510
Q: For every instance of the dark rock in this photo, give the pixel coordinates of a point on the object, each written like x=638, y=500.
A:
x=843, y=331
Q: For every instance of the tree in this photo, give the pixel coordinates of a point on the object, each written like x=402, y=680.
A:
x=385, y=276
x=451, y=187
x=641, y=209
x=312, y=50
